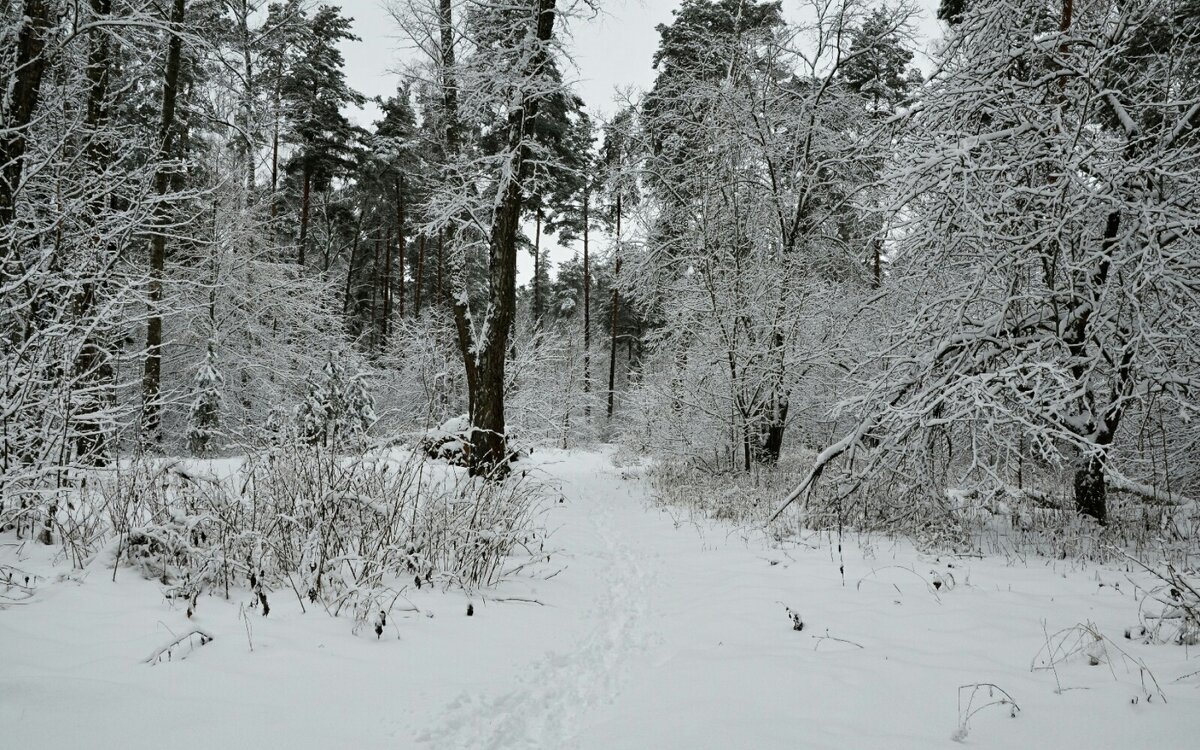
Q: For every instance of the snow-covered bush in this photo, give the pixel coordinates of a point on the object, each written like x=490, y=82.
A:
x=346, y=534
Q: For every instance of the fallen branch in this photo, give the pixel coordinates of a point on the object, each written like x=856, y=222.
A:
x=514, y=599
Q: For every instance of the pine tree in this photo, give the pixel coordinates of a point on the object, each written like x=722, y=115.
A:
x=314, y=92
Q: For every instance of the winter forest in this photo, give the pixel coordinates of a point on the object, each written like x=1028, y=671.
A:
x=836, y=388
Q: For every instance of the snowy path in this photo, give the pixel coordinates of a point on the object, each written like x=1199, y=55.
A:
x=654, y=635
x=551, y=701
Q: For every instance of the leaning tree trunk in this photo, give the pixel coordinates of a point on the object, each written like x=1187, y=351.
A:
x=152, y=372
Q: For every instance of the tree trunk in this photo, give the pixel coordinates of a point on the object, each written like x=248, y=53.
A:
x=304, y=202
x=458, y=303
x=877, y=266
x=400, y=237
x=93, y=365
x=419, y=281
x=375, y=296
x=440, y=264
x=152, y=372
x=248, y=77
x=387, y=288
x=587, y=314
x=350, y=268
x=489, y=454
x=1091, y=491
x=616, y=312
x=537, y=270
x=772, y=433
x=29, y=68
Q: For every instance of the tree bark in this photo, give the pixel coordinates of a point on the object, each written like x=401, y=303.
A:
x=152, y=372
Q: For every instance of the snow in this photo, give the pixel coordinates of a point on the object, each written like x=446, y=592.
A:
x=648, y=629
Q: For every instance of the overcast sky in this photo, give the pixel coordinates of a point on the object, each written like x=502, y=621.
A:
x=612, y=51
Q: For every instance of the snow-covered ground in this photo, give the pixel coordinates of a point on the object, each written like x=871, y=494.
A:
x=640, y=633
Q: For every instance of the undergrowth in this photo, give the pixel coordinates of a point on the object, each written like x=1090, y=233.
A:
x=344, y=534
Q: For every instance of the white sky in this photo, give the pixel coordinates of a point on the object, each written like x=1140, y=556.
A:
x=612, y=51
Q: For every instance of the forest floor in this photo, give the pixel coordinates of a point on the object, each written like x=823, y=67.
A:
x=655, y=632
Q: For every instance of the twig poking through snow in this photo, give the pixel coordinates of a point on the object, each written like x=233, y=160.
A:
x=192, y=641
x=965, y=713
